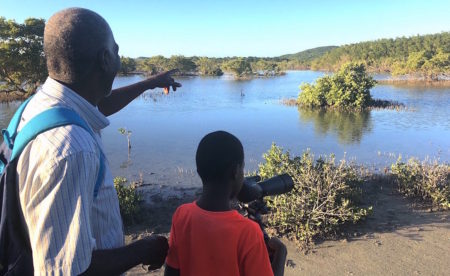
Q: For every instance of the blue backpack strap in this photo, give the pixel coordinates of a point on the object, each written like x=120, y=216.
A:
x=51, y=118
x=10, y=133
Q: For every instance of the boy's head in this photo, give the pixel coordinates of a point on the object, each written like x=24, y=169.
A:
x=220, y=162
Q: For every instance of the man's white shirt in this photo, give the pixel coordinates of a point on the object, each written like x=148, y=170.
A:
x=57, y=172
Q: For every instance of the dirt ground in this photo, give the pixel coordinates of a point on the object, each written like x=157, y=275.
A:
x=400, y=238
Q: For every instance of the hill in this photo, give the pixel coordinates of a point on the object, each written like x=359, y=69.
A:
x=426, y=56
x=310, y=54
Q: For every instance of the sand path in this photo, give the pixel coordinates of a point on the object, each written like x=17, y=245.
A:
x=399, y=238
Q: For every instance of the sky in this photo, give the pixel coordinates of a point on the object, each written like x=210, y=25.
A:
x=246, y=28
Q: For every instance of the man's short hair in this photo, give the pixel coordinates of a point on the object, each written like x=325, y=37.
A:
x=72, y=40
x=217, y=153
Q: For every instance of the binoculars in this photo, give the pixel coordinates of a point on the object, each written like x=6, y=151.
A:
x=253, y=188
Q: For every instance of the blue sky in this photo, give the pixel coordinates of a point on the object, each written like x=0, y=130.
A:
x=247, y=28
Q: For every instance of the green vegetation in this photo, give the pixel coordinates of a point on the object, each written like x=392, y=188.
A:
x=208, y=67
x=426, y=56
x=129, y=200
x=427, y=180
x=325, y=196
x=126, y=133
x=239, y=67
x=348, y=88
x=127, y=65
x=22, y=60
x=307, y=56
x=204, y=66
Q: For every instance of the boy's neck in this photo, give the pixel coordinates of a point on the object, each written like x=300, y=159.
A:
x=214, y=200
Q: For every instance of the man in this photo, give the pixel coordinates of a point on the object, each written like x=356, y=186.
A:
x=71, y=231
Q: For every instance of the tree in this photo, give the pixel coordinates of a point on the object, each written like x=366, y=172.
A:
x=348, y=88
x=185, y=65
x=267, y=68
x=127, y=65
x=23, y=67
x=239, y=67
x=207, y=66
x=153, y=65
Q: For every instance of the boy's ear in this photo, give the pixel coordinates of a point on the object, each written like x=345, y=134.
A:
x=235, y=172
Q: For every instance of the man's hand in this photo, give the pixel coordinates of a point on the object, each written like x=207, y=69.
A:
x=120, y=97
x=154, y=251
x=148, y=251
x=165, y=80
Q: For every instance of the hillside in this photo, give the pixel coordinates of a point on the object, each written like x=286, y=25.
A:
x=425, y=55
x=310, y=54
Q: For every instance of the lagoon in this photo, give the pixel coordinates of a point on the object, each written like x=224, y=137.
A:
x=166, y=129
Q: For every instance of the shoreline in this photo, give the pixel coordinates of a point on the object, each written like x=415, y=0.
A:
x=14, y=96
x=415, y=82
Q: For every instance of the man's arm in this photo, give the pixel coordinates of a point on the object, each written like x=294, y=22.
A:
x=279, y=256
x=149, y=251
x=121, y=97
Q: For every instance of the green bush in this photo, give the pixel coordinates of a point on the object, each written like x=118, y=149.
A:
x=348, y=88
x=129, y=200
x=324, y=196
x=427, y=180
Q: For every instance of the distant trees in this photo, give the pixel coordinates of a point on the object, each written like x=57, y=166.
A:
x=239, y=67
x=127, y=65
x=427, y=63
x=348, y=88
x=22, y=60
x=208, y=67
x=427, y=56
x=185, y=65
x=266, y=68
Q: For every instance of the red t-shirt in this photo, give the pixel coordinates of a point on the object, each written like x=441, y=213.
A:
x=216, y=243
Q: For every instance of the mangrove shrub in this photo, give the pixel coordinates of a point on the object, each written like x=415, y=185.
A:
x=129, y=200
x=428, y=180
x=347, y=88
x=324, y=197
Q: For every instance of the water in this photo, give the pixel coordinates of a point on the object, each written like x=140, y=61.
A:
x=166, y=129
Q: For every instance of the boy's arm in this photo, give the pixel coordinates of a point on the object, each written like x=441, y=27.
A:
x=170, y=271
x=172, y=256
x=279, y=256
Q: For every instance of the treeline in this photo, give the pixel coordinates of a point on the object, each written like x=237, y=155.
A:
x=23, y=68
x=206, y=66
x=425, y=56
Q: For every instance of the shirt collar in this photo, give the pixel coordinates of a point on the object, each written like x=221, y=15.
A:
x=71, y=99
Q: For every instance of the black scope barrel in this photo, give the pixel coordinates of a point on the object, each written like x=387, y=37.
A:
x=252, y=189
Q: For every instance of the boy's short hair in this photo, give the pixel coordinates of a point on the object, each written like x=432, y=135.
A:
x=217, y=152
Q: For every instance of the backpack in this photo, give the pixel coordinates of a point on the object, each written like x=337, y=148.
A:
x=15, y=248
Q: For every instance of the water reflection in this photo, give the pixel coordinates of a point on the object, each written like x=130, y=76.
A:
x=348, y=126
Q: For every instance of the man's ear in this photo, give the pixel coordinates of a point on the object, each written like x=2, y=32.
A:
x=105, y=60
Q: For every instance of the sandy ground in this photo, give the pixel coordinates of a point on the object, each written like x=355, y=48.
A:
x=399, y=238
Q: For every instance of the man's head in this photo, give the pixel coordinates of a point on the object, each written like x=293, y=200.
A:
x=80, y=49
x=220, y=162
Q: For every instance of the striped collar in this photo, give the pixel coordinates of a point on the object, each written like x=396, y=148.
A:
x=69, y=98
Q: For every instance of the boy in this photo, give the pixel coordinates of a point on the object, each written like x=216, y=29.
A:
x=207, y=236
